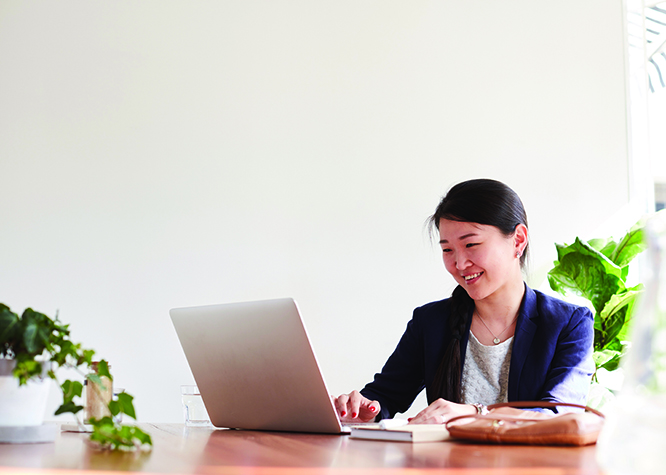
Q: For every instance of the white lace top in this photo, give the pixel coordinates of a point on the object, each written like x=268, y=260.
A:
x=485, y=378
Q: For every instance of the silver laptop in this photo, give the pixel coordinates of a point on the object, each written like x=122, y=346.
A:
x=255, y=367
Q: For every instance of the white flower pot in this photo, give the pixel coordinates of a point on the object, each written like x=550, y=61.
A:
x=21, y=406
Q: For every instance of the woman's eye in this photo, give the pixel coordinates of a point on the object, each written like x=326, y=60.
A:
x=446, y=250
x=471, y=244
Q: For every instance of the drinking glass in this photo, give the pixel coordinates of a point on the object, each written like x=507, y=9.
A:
x=193, y=407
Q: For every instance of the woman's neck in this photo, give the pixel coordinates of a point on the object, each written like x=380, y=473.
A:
x=502, y=306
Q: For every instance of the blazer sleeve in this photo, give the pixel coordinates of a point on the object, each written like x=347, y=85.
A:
x=570, y=371
x=402, y=377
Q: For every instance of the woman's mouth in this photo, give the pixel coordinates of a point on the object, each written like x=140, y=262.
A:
x=472, y=277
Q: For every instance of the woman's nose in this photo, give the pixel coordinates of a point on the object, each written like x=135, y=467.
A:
x=462, y=262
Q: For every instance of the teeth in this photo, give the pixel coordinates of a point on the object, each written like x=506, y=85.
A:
x=472, y=276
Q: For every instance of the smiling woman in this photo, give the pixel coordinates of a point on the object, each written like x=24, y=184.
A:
x=495, y=339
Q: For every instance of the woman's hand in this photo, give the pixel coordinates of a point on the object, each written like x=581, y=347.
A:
x=353, y=407
x=440, y=411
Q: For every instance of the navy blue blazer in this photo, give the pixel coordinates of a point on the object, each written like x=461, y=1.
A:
x=551, y=359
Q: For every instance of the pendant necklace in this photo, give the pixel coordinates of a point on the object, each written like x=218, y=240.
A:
x=496, y=338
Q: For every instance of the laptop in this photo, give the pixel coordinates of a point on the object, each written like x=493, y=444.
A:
x=255, y=367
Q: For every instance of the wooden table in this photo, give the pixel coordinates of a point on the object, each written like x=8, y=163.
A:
x=183, y=450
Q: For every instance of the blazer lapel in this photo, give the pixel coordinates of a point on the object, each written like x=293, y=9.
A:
x=522, y=341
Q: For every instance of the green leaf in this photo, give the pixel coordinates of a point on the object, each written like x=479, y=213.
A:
x=107, y=433
x=612, y=364
x=617, y=311
x=26, y=368
x=604, y=246
x=616, y=345
x=604, y=356
x=85, y=357
x=68, y=407
x=104, y=421
x=9, y=330
x=104, y=431
x=30, y=336
x=103, y=369
x=126, y=405
x=142, y=436
x=37, y=330
x=67, y=348
x=632, y=244
x=585, y=271
x=114, y=407
x=125, y=432
x=71, y=389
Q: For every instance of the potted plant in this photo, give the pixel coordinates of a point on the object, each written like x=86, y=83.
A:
x=597, y=270
x=32, y=349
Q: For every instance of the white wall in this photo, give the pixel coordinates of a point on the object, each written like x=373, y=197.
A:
x=657, y=138
x=165, y=153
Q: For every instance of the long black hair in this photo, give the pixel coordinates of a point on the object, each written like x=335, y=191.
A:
x=480, y=201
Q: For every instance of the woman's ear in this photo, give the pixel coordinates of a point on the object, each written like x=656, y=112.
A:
x=520, y=238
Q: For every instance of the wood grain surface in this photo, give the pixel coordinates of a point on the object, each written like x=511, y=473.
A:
x=182, y=450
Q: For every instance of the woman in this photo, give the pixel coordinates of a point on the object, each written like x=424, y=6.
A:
x=495, y=339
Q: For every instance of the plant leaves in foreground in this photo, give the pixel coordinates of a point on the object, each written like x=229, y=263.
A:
x=108, y=434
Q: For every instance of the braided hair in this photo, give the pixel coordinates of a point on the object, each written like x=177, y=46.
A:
x=480, y=201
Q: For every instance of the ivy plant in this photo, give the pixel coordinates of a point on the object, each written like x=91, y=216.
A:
x=597, y=270
x=34, y=338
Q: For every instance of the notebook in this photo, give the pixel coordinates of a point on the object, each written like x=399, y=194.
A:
x=255, y=367
x=406, y=433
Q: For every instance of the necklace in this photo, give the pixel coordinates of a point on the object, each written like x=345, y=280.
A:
x=496, y=338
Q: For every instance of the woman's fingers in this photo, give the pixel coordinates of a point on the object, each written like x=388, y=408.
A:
x=355, y=401
x=424, y=417
x=440, y=411
x=355, y=407
x=341, y=405
x=431, y=414
x=369, y=410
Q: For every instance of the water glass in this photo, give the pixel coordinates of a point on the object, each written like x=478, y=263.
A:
x=193, y=407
